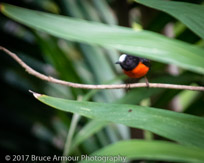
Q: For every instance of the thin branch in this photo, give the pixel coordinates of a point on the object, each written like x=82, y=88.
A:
x=89, y=86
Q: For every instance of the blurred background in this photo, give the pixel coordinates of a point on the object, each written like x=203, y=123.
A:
x=27, y=126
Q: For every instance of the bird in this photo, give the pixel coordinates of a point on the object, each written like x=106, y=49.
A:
x=134, y=67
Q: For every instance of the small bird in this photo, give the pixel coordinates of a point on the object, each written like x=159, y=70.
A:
x=134, y=67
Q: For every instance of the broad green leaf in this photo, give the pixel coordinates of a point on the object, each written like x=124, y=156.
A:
x=192, y=15
x=141, y=43
x=183, y=128
x=151, y=150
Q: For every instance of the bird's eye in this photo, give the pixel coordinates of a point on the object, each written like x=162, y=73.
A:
x=128, y=62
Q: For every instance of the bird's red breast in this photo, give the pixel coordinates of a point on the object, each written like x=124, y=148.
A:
x=139, y=71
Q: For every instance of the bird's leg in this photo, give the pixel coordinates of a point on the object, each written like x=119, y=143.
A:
x=128, y=82
x=146, y=81
x=127, y=86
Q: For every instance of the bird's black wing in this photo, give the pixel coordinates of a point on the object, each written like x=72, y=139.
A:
x=146, y=62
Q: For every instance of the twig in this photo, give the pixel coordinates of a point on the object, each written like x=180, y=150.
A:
x=89, y=86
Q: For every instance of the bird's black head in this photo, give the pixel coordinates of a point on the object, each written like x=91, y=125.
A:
x=128, y=62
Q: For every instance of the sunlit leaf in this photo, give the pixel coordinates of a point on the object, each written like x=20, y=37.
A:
x=183, y=128
x=141, y=43
x=154, y=150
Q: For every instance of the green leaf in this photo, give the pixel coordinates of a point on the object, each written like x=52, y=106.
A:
x=183, y=128
x=154, y=150
x=189, y=14
x=91, y=128
x=98, y=61
x=105, y=11
x=141, y=43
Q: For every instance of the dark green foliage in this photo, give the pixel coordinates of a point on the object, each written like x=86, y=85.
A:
x=75, y=50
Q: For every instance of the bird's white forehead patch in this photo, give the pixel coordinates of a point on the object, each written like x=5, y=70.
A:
x=122, y=57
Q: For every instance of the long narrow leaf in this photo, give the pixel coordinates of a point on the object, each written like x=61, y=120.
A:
x=190, y=14
x=186, y=129
x=141, y=43
x=154, y=150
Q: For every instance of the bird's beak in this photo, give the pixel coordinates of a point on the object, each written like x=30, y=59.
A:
x=117, y=62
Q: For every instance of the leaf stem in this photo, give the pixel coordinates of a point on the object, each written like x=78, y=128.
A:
x=75, y=120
